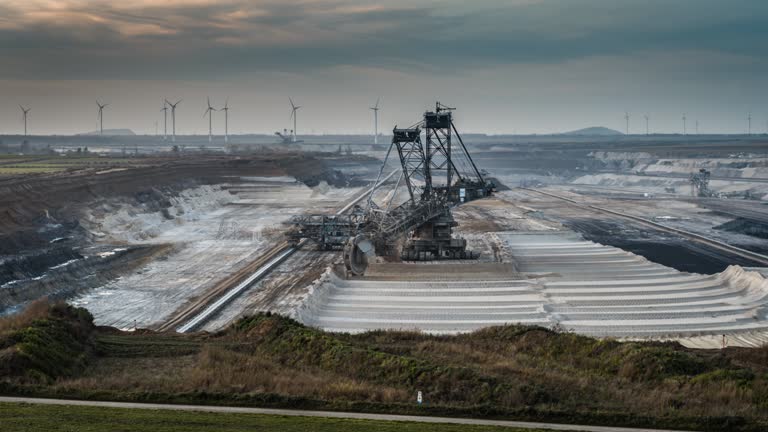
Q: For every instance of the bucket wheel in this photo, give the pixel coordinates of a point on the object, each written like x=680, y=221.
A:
x=356, y=253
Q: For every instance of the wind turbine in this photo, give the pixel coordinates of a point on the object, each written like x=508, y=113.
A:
x=749, y=123
x=375, y=109
x=646, y=124
x=226, y=120
x=165, y=120
x=209, y=112
x=24, y=112
x=101, y=116
x=294, y=108
x=697, y=126
x=626, y=117
x=173, y=116
x=685, y=131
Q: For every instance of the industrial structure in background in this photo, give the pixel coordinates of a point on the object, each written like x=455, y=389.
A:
x=287, y=137
x=375, y=110
x=437, y=175
x=700, y=184
x=24, y=114
x=173, y=117
x=100, y=117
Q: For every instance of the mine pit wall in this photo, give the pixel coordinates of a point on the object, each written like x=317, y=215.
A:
x=143, y=219
x=218, y=231
x=29, y=205
x=78, y=276
x=657, y=173
x=47, y=221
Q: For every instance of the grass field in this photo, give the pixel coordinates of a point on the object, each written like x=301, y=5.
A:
x=27, y=418
x=20, y=165
x=29, y=170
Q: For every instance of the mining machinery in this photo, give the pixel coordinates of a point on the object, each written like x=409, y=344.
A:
x=700, y=183
x=437, y=173
x=287, y=137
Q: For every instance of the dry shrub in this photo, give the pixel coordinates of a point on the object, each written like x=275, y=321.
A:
x=35, y=310
x=218, y=369
x=456, y=353
x=756, y=358
x=134, y=374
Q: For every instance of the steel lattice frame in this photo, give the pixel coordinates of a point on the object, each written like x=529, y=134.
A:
x=439, y=152
x=420, y=163
x=412, y=160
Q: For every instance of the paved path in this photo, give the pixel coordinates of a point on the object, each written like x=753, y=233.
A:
x=329, y=414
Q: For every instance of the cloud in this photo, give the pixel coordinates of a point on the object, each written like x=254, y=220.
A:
x=206, y=39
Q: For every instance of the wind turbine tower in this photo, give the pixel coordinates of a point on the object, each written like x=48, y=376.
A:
x=24, y=112
x=294, y=108
x=209, y=113
x=375, y=109
x=173, y=117
x=749, y=124
x=165, y=120
x=226, y=120
x=685, y=130
x=626, y=117
x=101, y=116
x=697, y=126
x=646, y=124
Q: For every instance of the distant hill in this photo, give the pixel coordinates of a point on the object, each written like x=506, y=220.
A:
x=594, y=131
x=112, y=132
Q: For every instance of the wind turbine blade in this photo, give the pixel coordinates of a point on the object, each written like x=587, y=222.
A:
x=377, y=102
x=226, y=104
x=292, y=105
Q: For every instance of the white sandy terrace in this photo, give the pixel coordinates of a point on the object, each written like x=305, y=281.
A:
x=215, y=232
x=564, y=280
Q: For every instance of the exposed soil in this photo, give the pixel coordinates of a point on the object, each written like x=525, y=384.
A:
x=44, y=237
x=746, y=226
x=63, y=280
x=669, y=250
x=38, y=210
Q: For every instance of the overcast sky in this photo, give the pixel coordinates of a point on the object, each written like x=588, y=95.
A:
x=510, y=66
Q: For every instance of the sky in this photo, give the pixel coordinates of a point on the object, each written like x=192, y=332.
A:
x=509, y=66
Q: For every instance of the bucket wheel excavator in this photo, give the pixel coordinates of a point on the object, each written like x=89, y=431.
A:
x=437, y=175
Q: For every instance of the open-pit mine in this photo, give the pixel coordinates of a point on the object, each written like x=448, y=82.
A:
x=620, y=237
